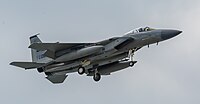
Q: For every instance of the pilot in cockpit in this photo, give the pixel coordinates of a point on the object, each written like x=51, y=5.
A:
x=139, y=30
x=144, y=29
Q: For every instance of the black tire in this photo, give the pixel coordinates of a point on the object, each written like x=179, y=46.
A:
x=97, y=77
x=40, y=70
x=81, y=70
x=132, y=63
x=48, y=73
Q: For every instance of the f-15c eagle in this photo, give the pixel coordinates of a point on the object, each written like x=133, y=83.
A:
x=93, y=59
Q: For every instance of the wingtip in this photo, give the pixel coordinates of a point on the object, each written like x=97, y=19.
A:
x=11, y=63
x=34, y=35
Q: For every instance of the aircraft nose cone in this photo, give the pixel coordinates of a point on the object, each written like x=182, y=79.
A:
x=167, y=34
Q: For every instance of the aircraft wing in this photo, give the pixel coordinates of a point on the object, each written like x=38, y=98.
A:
x=27, y=65
x=54, y=46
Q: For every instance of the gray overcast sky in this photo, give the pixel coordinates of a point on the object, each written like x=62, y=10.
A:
x=165, y=74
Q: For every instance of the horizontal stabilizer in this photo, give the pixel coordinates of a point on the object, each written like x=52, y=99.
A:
x=56, y=79
x=27, y=65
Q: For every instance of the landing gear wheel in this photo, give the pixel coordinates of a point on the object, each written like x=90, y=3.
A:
x=81, y=70
x=132, y=63
x=40, y=70
x=97, y=77
x=48, y=73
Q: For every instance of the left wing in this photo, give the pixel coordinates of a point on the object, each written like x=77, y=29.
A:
x=27, y=65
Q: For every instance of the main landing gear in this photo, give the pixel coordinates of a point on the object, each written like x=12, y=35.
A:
x=96, y=76
x=130, y=55
x=81, y=70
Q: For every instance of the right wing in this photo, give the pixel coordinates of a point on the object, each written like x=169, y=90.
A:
x=52, y=48
x=27, y=65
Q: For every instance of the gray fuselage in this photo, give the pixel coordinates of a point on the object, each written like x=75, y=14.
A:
x=116, y=50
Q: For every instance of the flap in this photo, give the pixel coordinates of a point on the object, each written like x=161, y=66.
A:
x=54, y=46
x=56, y=79
x=27, y=65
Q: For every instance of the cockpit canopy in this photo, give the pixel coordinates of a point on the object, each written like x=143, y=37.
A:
x=139, y=30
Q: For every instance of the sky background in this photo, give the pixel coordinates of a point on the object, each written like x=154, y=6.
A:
x=165, y=74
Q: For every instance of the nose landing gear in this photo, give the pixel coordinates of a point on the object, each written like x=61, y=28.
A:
x=132, y=63
x=130, y=55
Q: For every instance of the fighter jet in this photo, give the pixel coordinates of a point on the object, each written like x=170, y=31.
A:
x=56, y=60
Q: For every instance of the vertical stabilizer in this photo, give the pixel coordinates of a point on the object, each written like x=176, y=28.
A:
x=37, y=56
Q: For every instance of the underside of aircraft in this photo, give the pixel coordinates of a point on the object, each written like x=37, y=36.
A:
x=93, y=59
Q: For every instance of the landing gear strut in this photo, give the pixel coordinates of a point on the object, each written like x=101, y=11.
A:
x=130, y=55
